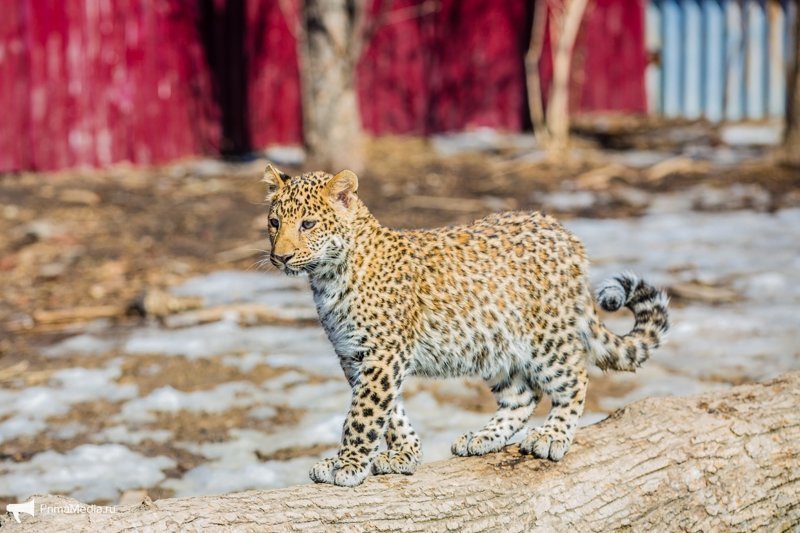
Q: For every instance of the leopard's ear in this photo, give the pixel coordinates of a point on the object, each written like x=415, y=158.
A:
x=275, y=180
x=342, y=187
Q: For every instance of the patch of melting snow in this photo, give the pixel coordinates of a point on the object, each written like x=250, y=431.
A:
x=639, y=158
x=232, y=286
x=736, y=196
x=83, y=344
x=323, y=362
x=245, y=362
x=122, y=434
x=754, y=342
x=289, y=155
x=89, y=473
x=752, y=134
x=234, y=465
x=326, y=405
x=20, y=425
x=28, y=409
x=167, y=399
x=288, y=378
x=67, y=431
x=224, y=337
x=332, y=394
x=716, y=246
x=326, y=397
x=766, y=284
x=480, y=140
x=219, y=478
x=314, y=429
x=698, y=198
x=567, y=200
x=263, y=412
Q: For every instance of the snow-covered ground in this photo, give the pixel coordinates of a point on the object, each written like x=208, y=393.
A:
x=753, y=255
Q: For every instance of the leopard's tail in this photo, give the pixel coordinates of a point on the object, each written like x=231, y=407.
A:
x=627, y=352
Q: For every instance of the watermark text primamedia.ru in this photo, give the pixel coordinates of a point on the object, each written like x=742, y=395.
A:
x=75, y=508
x=29, y=508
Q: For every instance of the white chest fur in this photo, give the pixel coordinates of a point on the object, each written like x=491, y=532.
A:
x=336, y=307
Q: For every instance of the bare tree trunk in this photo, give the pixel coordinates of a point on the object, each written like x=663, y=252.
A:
x=558, y=108
x=553, y=125
x=791, y=140
x=532, y=79
x=330, y=40
x=715, y=462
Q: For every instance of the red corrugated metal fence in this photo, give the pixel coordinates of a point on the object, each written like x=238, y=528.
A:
x=98, y=81
x=91, y=83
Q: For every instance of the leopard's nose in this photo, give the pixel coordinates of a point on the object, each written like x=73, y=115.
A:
x=283, y=258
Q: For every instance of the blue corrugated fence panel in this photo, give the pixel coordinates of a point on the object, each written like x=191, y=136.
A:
x=714, y=68
x=719, y=59
x=756, y=60
x=672, y=82
x=692, y=60
x=734, y=61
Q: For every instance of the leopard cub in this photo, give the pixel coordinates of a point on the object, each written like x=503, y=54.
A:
x=505, y=298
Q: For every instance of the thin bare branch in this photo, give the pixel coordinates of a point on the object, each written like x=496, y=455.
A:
x=363, y=32
x=532, y=63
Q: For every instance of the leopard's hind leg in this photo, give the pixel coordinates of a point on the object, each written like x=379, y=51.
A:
x=565, y=382
x=516, y=399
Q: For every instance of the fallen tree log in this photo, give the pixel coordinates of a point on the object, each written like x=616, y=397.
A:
x=725, y=461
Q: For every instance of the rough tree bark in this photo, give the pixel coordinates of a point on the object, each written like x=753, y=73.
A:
x=705, y=463
x=791, y=139
x=330, y=38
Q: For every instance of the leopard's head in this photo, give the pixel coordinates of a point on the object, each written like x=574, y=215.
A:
x=310, y=218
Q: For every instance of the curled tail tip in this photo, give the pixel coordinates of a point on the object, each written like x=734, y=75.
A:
x=628, y=289
x=614, y=293
x=649, y=306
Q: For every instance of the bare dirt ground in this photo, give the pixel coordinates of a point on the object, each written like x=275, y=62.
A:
x=78, y=249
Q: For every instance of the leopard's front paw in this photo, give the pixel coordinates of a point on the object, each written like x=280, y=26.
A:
x=545, y=443
x=323, y=471
x=350, y=475
x=479, y=443
x=459, y=446
x=395, y=462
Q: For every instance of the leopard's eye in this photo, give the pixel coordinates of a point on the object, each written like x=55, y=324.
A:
x=275, y=223
x=308, y=224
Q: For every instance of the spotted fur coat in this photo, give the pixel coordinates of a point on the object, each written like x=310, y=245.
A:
x=505, y=298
